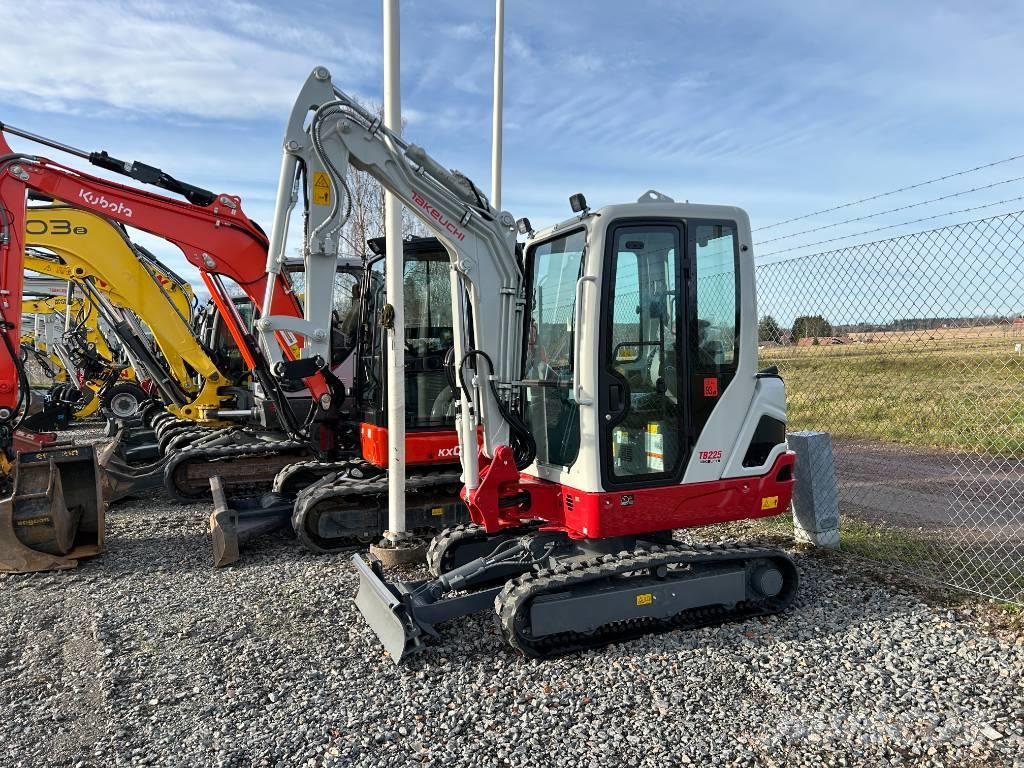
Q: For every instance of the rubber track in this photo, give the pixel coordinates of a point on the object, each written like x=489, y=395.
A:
x=186, y=439
x=338, y=486
x=513, y=602
x=324, y=468
x=221, y=453
x=449, y=537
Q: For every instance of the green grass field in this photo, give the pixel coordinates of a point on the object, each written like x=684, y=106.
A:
x=963, y=394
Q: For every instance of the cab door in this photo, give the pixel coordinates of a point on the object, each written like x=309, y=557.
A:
x=643, y=397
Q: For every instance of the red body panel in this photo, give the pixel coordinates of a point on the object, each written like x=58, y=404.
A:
x=12, y=260
x=440, y=447
x=585, y=515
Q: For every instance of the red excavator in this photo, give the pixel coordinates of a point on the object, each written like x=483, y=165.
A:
x=55, y=513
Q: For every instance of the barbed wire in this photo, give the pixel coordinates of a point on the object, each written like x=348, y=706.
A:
x=890, y=226
x=893, y=210
x=892, y=192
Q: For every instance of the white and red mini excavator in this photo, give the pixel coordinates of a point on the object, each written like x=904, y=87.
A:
x=610, y=365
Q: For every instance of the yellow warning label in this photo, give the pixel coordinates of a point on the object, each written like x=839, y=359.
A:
x=645, y=599
x=437, y=511
x=769, y=502
x=321, y=188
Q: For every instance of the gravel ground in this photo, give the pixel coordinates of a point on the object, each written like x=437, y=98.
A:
x=146, y=656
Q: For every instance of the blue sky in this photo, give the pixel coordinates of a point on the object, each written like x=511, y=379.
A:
x=781, y=108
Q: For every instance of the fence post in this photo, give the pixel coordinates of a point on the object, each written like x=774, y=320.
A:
x=815, y=493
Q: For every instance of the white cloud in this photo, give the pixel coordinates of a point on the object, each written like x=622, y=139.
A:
x=234, y=61
x=469, y=31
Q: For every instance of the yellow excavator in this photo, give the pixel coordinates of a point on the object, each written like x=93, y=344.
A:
x=128, y=285
x=60, y=354
x=139, y=298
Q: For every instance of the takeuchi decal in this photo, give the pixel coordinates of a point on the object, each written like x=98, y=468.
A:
x=113, y=206
x=437, y=216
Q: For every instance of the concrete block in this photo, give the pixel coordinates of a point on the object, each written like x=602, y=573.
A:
x=406, y=552
x=815, y=492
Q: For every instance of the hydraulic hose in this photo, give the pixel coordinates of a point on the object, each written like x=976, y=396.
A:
x=524, y=447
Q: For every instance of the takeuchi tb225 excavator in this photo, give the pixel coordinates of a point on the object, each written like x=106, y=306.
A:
x=612, y=373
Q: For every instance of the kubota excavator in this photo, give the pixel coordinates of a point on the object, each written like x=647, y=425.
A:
x=310, y=495
x=214, y=234
x=613, y=374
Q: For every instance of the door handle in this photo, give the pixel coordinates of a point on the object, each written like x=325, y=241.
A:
x=577, y=387
x=615, y=400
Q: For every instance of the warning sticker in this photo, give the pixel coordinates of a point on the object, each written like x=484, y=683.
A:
x=710, y=386
x=769, y=502
x=644, y=599
x=321, y=188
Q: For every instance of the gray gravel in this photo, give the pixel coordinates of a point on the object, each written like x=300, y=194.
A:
x=146, y=656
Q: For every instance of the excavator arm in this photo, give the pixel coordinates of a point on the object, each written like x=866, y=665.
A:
x=82, y=311
x=327, y=133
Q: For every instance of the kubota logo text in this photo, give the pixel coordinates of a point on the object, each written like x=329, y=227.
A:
x=437, y=216
x=114, y=206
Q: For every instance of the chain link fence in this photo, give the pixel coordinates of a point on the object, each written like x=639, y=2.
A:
x=909, y=352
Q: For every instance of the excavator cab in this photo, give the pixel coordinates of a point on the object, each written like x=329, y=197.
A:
x=429, y=337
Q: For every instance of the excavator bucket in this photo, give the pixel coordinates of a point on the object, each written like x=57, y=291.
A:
x=223, y=527
x=55, y=516
x=120, y=478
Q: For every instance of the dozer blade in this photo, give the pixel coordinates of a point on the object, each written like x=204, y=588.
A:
x=121, y=479
x=249, y=518
x=55, y=515
x=388, y=616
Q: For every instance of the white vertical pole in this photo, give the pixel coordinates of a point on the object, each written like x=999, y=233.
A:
x=499, y=65
x=393, y=286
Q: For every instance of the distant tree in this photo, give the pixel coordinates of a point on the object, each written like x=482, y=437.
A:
x=810, y=326
x=768, y=329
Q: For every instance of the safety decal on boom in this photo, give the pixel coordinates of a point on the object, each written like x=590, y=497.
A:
x=321, y=188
